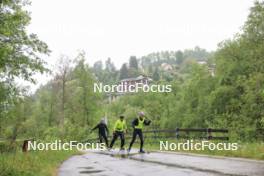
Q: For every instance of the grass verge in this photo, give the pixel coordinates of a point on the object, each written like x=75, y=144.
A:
x=37, y=163
x=254, y=150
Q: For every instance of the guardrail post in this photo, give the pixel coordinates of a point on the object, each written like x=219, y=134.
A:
x=177, y=133
x=155, y=134
x=25, y=146
x=209, y=133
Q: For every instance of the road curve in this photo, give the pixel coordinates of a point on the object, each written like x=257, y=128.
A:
x=156, y=164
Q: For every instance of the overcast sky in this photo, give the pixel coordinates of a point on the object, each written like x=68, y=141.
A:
x=120, y=28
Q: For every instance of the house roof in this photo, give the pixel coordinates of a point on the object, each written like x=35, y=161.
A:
x=136, y=79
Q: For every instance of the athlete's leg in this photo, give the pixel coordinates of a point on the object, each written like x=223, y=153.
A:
x=106, y=140
x=100, y=138
x=114, y=139
x=140, y=134
x=122, y=137
x=133, y=139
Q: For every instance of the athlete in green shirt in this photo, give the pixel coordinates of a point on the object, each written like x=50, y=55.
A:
x=119, y=131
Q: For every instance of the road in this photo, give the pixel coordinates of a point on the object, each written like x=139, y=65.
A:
x=156, y=164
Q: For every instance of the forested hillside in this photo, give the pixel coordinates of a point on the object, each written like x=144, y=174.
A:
x=151, y=65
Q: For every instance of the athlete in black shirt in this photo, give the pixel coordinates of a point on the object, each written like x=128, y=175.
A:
x=102, y=131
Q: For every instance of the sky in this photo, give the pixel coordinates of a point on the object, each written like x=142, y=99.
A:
x=121, y=28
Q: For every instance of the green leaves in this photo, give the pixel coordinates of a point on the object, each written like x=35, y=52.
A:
x=20, y=52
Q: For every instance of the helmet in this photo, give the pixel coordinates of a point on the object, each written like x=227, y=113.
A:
x=103, y=120
x=141, y=114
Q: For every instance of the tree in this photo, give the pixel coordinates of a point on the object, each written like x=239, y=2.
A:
x=20, y=54
x=85, y=82
x=19, y=51
x=133, y=63
x=109, y=74
x=62, y=77
x=133, y=70
x=238, y=99
x=109, y=66
x=179, y=57
x=123, y=72
x=156, y=75
x=98, y=66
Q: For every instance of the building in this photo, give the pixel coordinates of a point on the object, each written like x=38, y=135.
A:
x=129, y=82
x=133, y=81
x=202, y=62
x=211, y=67
x=166, y=67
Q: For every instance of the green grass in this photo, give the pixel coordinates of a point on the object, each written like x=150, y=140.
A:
x=37, y=163
x=254, y=150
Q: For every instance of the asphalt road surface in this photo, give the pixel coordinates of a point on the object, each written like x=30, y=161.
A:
x=157, y=164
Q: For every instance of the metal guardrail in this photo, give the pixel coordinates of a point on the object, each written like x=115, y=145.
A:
x=178, y=133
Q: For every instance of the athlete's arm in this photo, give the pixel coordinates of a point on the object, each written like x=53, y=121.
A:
x=147, y=122
x=95, y=127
